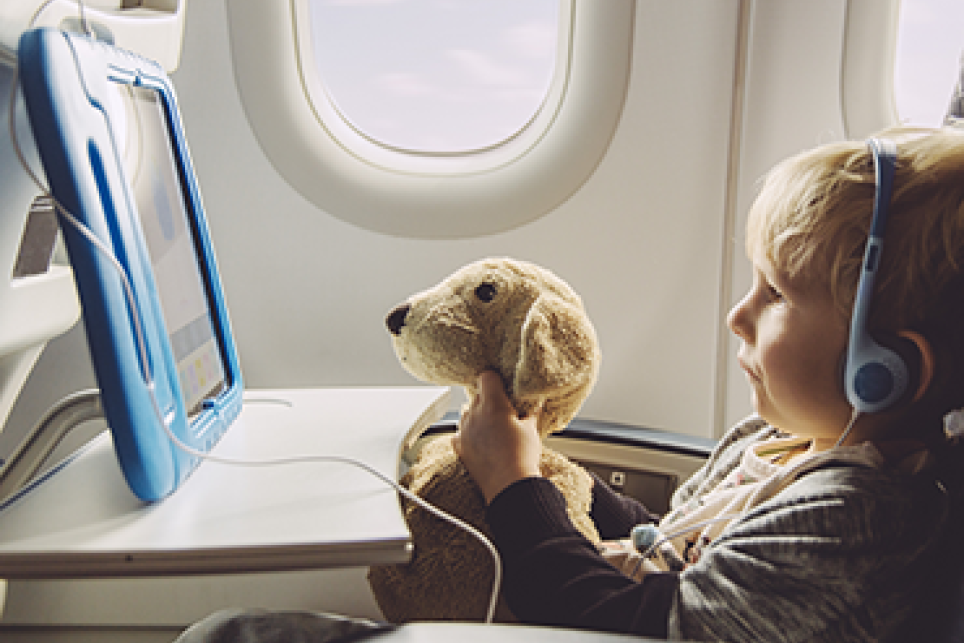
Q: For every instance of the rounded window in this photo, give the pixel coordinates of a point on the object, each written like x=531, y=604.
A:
x=361, y=169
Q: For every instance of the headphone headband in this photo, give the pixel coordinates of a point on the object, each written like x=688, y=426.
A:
x=875, y=377
x=885, y=159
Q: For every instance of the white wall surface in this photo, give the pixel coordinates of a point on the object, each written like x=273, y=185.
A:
x=648, y=240
x=641, y=241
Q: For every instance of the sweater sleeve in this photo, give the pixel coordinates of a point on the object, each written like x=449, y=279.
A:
x=615, y=514
x=839, y=555
x=554, y=576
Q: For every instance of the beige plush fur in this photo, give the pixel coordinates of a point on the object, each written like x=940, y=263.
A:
x=528, y=325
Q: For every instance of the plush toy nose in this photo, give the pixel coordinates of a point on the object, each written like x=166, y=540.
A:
x=396, y=318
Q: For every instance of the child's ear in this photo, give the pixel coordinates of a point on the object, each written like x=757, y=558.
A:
x=926, y=352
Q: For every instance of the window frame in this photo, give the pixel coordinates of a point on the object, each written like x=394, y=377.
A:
x=420, y=195
x=868, y=104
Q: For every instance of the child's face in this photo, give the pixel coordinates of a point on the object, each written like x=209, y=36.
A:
x=793, y=342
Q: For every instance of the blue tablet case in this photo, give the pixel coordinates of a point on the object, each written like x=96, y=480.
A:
x=109, y=134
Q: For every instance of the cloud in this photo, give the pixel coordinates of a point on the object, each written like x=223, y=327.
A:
x=485, y=70
x=535, y=39
x=407, y=84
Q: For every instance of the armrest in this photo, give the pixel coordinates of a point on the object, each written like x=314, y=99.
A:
x=646, y=464
x=258, y=626
x=612, y=433
x=478, y=633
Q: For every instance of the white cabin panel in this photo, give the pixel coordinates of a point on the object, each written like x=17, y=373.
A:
x=640, y=241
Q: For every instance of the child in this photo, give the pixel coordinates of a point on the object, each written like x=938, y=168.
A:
x=812, y=540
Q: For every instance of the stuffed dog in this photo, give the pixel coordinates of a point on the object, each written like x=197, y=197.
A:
x=525, y=323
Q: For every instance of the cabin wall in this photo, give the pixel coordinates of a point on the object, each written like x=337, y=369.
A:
x=652, y=241
x=718, y=92
x=641, y=240
x=791, y=101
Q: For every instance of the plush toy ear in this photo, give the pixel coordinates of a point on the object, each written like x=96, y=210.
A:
x=558, y=356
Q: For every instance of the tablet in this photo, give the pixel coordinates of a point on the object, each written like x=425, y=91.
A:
x=113, y=149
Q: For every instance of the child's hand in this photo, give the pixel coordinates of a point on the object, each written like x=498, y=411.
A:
x=496, y=446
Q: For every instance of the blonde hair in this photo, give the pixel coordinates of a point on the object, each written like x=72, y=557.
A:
x=811, y=221
x=812, y=218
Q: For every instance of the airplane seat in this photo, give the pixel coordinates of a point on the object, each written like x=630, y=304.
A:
x=940, y=614
x=949, y=602
x=37, y=296
x=954, y=116
x=38, y=300
x=259, y=626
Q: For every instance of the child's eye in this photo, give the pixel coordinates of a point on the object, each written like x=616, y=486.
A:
x=773, y=295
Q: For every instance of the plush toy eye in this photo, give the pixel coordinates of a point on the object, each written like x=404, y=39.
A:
x=485, y=292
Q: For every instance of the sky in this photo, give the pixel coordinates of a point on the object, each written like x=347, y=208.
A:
x=458, y=75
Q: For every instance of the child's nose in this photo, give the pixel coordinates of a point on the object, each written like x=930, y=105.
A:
x=738, y=319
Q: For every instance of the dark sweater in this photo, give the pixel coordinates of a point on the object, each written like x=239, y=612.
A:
x=838, y=555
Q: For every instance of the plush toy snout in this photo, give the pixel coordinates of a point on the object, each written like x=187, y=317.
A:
x=396, y=318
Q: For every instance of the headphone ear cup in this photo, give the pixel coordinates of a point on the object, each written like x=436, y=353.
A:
x=910, y=355
x=885, y=374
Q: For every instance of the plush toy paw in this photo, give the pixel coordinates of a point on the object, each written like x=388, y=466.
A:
x=451, y=573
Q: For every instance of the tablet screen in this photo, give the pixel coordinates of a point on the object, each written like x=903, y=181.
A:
x=170, y=239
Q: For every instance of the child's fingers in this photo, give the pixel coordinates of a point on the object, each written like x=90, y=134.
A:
x=488, y=404
x=491, y=391
x=494, y=444
x=491, y=394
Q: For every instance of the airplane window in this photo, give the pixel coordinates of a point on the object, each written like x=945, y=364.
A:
x=436, y=76
x=930, y=41
x=524, y=145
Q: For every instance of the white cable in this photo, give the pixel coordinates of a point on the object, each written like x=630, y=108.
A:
x=81, y=14
x=850, y=425
x=432, y=509
x=36, y=14
x=83, y=20
x=81, y=228
x=149, y=381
